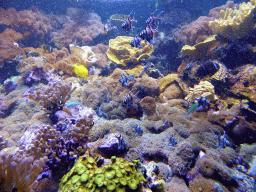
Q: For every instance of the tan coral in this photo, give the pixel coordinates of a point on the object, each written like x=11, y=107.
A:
x=244, y=82
x=9, y=46
x=235, y=23
x=199, y=50
x=222, y=74
x=85, y=53
x=204, y=89
x=18, y=170
x=100, y=50
x=121, y=52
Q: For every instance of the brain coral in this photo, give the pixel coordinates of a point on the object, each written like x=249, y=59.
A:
x=121, y=52
x=85, y=175
x=235, y=23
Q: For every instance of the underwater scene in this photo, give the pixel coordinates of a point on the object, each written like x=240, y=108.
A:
x=127, y=96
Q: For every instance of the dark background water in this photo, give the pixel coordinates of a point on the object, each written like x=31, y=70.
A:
x=107, y=8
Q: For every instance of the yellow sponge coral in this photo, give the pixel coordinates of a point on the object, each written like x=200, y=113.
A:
x=199, y=50
x=121, y=52
x=235, y=23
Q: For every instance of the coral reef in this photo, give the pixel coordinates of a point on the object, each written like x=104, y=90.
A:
x=52, y=97
x=100, y=50
x=204, y=89
x=148, y=105
x=215, y=12
x=200, y=50
x=235, y=23
x=203, y=184
x=195, y=32
x=80, y=25
x=84, y=53
x=121, y=52
x=178, y=115
x=32, y=24
x=9, y=45
x=243, y=83
x=18, y=171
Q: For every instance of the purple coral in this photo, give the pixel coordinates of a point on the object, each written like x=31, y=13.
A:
x=35, y=75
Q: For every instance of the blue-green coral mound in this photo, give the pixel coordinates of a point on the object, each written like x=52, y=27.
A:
x=119, y=175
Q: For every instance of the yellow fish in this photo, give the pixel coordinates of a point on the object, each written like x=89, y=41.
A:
x=81, y=71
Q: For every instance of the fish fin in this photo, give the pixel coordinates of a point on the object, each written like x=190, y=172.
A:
x=152, y=42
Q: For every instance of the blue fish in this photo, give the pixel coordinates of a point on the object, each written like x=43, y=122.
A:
x=72, y=104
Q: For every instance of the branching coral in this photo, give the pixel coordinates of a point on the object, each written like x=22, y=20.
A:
x=235, y=23
x=60, y=149
x=52, y=97
x=215, y=12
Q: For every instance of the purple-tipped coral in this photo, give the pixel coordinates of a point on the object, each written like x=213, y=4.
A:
x=60, y=150
x=36, y=75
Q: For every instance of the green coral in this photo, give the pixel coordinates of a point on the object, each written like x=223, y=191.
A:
x=119, y=175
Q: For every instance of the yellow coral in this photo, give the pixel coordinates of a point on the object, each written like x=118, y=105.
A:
x=119, y=175
x=235, y=23
x=199, y=50
x=136, y=71
x=204, y=89
x=121, y=52
x=167, y=80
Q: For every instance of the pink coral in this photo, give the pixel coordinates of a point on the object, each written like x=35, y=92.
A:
x=81, y=25
x=215, y=12
x=100, y=50
x=29, y=23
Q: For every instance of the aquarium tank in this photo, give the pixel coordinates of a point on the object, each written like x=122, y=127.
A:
x=127, y=95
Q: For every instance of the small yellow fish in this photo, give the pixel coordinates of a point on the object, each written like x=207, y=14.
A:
x=81, y=71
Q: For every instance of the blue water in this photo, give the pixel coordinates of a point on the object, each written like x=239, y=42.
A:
x=105, y=8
